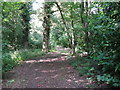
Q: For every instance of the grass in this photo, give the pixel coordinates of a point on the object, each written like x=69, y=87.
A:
x=9, y=60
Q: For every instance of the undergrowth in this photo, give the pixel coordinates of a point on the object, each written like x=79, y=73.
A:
x=9, y=60
x=91, y=70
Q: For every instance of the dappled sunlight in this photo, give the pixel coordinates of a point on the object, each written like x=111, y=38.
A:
x=55, y=76
x=52, y=74
x=62, y=58
x=31, y=61
x=48, y=71
x=66, y=53
x=84, y=54
x=69, y=80
x=37, y=78
x=68, y=67
x=78, y=81
x=53, y=70
x=36, y=69
x=60, y=45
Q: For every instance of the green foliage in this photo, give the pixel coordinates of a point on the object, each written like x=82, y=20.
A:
x=84, y=66
x=102, y=41
x=13, y=58
x=109, y=79
x=15, y=23
x=105, y=44
x=98, y=34
x=35, y=39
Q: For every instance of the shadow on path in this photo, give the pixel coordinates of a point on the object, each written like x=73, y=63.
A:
x=49, y=71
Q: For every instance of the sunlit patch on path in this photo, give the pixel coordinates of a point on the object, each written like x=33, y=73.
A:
x=49, y=71
x=50, y=58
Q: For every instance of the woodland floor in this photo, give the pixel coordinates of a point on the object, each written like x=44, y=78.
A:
x=50, y=71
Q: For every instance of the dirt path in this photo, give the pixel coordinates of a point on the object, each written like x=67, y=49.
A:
x=50, y=71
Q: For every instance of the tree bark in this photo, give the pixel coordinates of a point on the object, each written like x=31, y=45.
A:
x=46, y=25
x=73, y=31
x=73, y=38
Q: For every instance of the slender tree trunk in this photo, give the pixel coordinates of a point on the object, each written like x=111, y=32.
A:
x=84, y=9
x=73, y=38
x=73, y=31
x=25, y=22
x=65, y=26
x=86, y=27
x=46, y=25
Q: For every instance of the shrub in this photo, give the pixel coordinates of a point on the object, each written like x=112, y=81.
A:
x=13, y=58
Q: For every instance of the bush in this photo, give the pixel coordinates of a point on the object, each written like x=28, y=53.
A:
x=101, y=71
x=13, y=58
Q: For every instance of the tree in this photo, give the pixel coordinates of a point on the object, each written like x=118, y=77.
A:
x=25, y=22
x=15, y=23
x=46, y=25
x=84, y=21
x=72, y=37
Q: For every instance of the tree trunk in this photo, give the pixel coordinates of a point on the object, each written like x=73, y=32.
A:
x=73, y=38
x=25, y=22
x=65, y=26
x=73, y=31
x=86, y=26
x=84, y=9
x=46, y=25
